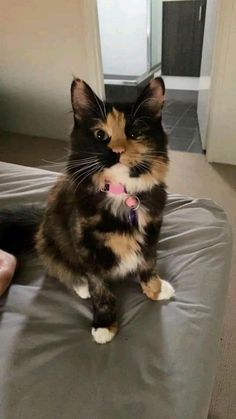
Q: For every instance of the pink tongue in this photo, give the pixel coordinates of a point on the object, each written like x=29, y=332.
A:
x=116, y=188
x=131, y=201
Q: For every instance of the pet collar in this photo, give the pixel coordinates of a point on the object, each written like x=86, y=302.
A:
x=130, y=201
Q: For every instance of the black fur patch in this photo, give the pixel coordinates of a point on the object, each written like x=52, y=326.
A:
x=100, y=256
x=109, y=223
x=141, y=169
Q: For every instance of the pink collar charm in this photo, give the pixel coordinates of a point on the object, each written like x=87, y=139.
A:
x=130, y=201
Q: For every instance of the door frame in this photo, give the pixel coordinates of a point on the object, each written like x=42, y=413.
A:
x=221, y=133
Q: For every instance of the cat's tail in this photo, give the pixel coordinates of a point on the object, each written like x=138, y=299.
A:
x=18, y=227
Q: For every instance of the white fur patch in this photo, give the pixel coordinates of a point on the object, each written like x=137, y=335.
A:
x=119, y=173
x=102, y=335
x=167, y=291
x=82, y=290
x=128, y=264
x=116, y=204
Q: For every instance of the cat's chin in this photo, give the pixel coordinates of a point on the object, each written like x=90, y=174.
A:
x=118, y=173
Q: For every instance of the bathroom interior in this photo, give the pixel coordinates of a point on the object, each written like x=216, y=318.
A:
x=147, y=38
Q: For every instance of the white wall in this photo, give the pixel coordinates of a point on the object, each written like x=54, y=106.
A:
x=221, y=132
x=44, y=43
x=206, y=68
x=123, y=31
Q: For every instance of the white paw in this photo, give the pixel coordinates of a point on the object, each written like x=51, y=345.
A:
x=102, y=334
x=82, y=291
x=167, y=291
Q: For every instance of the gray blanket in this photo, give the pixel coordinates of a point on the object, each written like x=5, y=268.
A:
x=161, y=364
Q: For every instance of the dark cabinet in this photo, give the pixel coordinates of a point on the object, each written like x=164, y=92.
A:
x=182, y=37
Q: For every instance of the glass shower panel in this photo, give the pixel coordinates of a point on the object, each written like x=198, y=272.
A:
x=155, y=32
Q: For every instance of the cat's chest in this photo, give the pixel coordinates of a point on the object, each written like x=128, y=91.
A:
x=127, y=244
x=128, y=250
x=117, y=207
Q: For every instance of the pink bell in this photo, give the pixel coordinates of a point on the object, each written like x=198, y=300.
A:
x=132, y=202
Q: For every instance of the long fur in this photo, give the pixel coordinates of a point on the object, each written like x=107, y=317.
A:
x=84, y=235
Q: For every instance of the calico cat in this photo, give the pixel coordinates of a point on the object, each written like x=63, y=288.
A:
x=104, y=214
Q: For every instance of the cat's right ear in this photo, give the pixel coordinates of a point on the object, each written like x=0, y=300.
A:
x=151, y=100
x=85, y=103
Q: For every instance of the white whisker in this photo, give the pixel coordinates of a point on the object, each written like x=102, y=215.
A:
x=87, y=152
x=84, y=163
x=82, y=169
x=149, y=99
x=102, y=111
x=85, y=176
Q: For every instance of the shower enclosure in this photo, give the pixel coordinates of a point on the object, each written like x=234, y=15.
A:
x=131, y=39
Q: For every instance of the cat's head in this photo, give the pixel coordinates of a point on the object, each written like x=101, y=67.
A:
x=118, y=143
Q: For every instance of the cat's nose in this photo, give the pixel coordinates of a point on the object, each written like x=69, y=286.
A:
x=118, y=150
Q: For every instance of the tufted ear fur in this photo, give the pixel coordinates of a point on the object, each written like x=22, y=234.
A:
x=151, y=100
x=85, y=103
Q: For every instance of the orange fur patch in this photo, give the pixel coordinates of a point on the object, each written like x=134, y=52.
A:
x=113, y=328
x=152, y=288
x=114, y=126
x=121, y=244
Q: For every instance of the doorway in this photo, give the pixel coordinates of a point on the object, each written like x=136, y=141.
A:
x=148, y=38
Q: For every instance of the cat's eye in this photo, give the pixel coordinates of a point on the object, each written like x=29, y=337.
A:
x=101, y=135
x=132, y=134
x=137, y=130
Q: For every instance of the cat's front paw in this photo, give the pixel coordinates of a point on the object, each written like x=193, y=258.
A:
x=157, y=289
x=167, y=291
x=104, y=334
x=82, y=290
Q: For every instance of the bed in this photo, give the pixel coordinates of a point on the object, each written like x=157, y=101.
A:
x=162, y=363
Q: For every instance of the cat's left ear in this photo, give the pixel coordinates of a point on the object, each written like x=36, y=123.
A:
x=151, y=100
x=85, y=103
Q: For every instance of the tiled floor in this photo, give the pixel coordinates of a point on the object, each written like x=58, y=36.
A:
x=181, y=124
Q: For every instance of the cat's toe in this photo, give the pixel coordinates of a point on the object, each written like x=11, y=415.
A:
x=167, y=291
x=104, y=334
x=82, y=291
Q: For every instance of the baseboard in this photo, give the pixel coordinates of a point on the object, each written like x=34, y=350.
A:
x=181, y=83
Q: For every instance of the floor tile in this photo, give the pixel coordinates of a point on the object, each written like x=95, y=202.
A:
x=185, y=132
x=188, y=122
x=169, y=120
x=195, y=147
x=192, y=111
x=176, y=108
x=178, y=143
